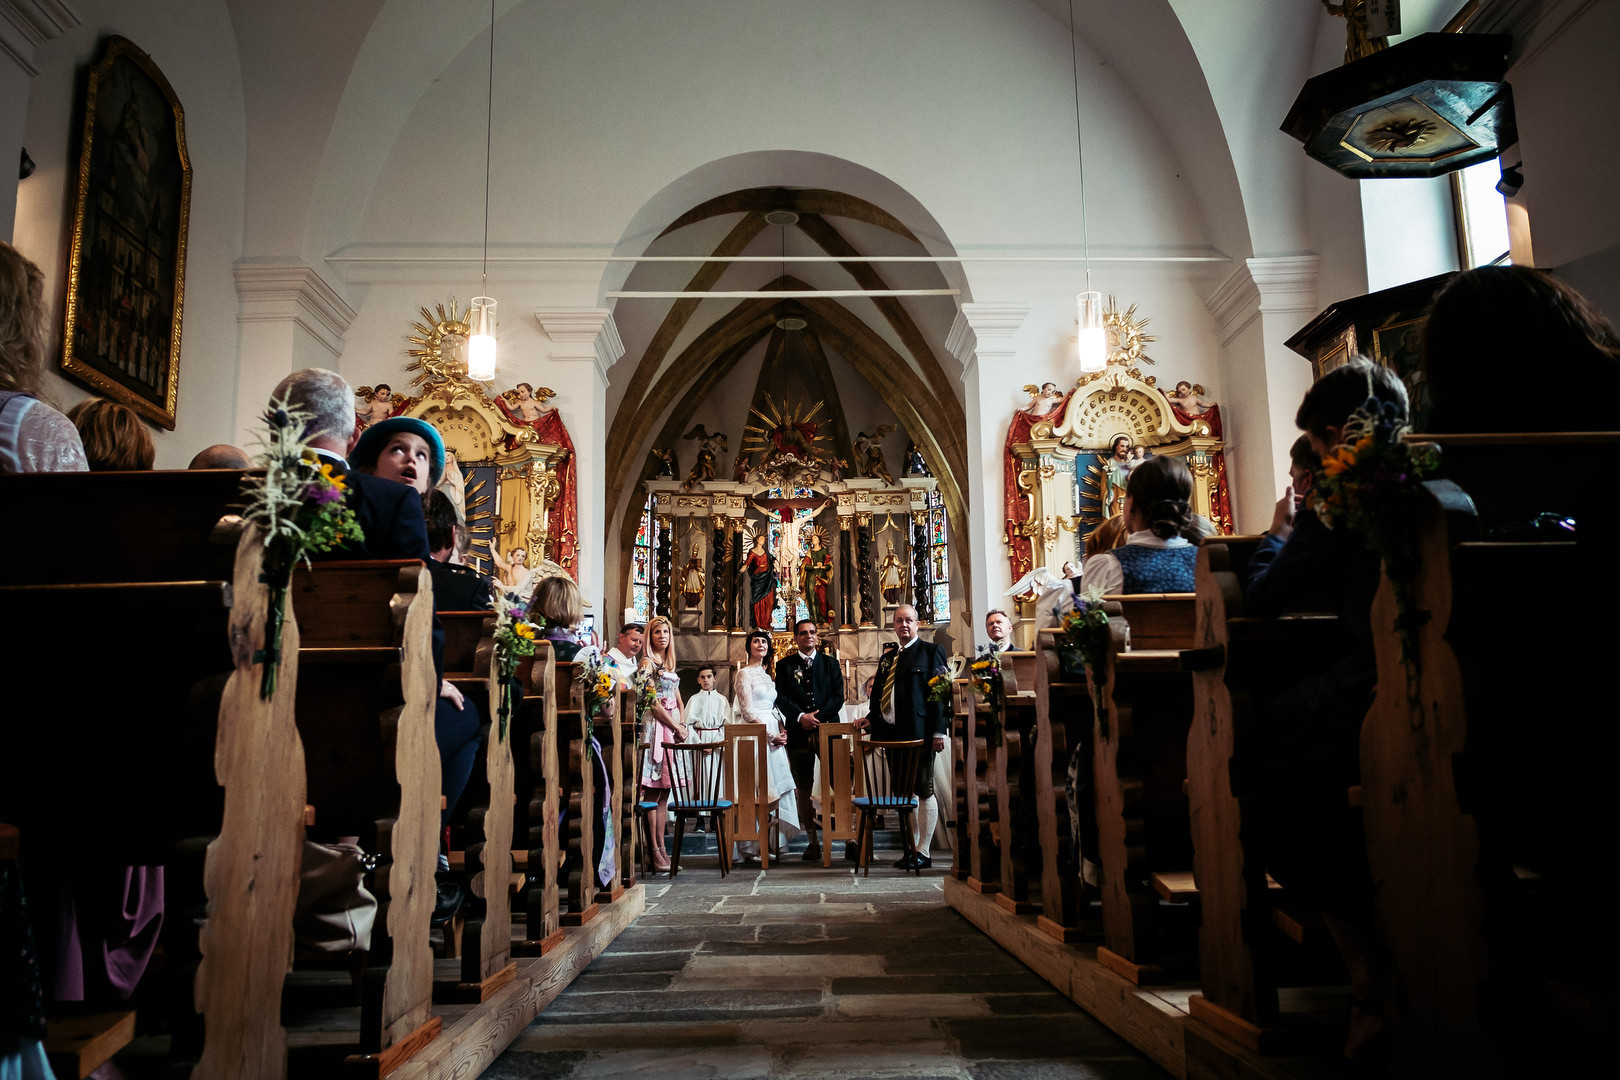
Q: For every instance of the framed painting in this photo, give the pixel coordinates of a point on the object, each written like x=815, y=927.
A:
x=1399, y=347
x=127, y=259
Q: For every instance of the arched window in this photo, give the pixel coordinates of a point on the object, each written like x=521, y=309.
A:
x=939, y=557
x=641, y=577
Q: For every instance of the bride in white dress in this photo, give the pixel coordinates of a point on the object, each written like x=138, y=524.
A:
x=756, y=704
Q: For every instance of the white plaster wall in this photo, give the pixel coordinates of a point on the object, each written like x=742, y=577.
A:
x=193, y=44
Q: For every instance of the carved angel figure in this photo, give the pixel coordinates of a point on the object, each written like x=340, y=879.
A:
x=528, y=404
x=869, y=453
x=665, y=470
x=1189, y=398
x=710, y=444
x=379, y=404
x=1043, y=400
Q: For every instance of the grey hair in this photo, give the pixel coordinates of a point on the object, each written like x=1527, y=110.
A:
x=325, y=396
x=909, y=607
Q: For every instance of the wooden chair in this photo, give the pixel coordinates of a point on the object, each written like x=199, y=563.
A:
x=748, y=749
x=891, y=768
x=696, y=775
x=841, y=781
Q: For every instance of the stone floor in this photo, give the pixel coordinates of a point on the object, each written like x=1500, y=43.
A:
x=805, y=972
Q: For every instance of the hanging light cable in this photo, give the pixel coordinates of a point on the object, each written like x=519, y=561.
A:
x=1091, y=343
x=481, y=340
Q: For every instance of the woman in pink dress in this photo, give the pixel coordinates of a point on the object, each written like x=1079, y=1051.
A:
x=663, y=723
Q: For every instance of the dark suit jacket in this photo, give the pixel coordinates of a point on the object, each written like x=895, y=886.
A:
x=459, y=588
x=915, y=717
x=390, y=513
x=798, y=690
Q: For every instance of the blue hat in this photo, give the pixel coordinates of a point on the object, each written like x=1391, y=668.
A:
x=375, y=437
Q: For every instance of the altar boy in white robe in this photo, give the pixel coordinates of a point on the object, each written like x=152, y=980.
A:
x=706, y=714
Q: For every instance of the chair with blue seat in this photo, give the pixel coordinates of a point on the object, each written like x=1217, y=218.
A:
x=696, y=774
x=643, y=812
x=891, y=771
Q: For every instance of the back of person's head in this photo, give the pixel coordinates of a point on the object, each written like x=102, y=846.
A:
x=114, y=438
x=1160, y=490
x=1107, y=536
x=22, y=321
x=441, y=520
x=1304, y=456
x=1332, y=398
x=325, y=396
x=558, y=601
x=221, y=456
x=1487, y=324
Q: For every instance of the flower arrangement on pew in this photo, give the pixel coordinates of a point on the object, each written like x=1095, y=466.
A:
x=298, y=506
x=1083, y=636
x=1371, y=484
x=984, y=676
x=516, y=635
x=645, y=683
x=939, y=686
x=596, y=682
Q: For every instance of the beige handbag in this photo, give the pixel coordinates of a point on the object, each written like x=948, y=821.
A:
x=335, y=910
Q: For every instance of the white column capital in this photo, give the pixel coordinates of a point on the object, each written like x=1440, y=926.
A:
x=1286, y=283
x=582, y=334
x=985, y=330
x=27, y=24
x=1234, y=304
x=277, y=291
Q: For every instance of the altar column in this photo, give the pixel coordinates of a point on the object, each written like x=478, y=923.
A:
x=584, y=344
x=849, y=576
x=982, y=338
x=721, y=572
x=290, y=318
x=863, y=541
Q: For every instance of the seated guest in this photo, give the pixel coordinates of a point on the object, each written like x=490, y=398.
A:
x=114, y=438
x=998, y=631
x=557, y=600
x=1160, y=552
x=1487, y=324
x=1315, y=847
x=221, y=456
x=1304, y=465
x=33, y=436
x=389, y=514
x=1105, y=537
x=456, y=587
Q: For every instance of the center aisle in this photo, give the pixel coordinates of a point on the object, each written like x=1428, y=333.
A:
x=806, y=972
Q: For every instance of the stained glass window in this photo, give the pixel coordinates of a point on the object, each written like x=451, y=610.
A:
x=641, y=579
x=939, y=557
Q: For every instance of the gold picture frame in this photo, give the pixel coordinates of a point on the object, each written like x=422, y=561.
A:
x=127, y=258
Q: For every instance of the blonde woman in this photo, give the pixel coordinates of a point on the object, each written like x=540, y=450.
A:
x=663, y=724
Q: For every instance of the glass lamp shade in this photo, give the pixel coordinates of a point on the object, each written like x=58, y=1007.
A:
x=1092, y=342
x=481, y=340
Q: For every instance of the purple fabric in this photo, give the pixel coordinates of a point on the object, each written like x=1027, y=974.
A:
x=98, y=931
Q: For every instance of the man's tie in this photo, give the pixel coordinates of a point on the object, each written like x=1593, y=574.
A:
x=886, y=693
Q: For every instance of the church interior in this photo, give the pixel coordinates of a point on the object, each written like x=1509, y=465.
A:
x=818, y=312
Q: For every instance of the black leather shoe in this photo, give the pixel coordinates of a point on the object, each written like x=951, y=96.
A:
x=812, y=853
x=921, y=862
x=447, y=903
x=852, y=853
x=905, y=862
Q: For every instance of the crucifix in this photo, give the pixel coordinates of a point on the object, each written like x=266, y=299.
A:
x=792, y=512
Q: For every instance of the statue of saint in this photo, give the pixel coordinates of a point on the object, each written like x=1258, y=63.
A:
x=1116, y=471
x=515, y=576
x=454, y=485
x=869, y=454
x=814, y=574
x=709, y=447
x=665, y=469
x=692, y=580
x=891, y=577
x=761, y=571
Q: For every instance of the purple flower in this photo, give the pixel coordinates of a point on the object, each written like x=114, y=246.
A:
x=321, y=493
x=514, y=613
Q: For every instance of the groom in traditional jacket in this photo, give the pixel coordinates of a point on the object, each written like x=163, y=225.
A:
x=809, y=690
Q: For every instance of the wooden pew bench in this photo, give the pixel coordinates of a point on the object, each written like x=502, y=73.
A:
x=537, y=780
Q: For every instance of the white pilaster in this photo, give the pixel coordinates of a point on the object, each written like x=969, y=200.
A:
x=24, y=26
x=289, y=318
x=983, y=338
x=584, y=344
x=1256, y=310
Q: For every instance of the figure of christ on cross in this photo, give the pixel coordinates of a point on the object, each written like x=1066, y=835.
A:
x=792, y=513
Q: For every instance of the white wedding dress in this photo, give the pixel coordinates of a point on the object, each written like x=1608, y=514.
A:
x=756, y=704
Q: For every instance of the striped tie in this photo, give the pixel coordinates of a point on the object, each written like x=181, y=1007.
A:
x=886, y=694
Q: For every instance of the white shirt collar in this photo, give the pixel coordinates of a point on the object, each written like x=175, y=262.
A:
x=1147, y=538
x=914, y=639
x=807, y=657
x=331, y=455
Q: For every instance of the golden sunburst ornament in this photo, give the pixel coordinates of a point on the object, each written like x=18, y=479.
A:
x=439, y=341
x=1127, y=344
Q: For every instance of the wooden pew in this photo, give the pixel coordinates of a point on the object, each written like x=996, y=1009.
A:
x=981, y=854
x=546, y=709
x=1474, y=820
x=1012, y=771
x=151, y=619
x=841, y=782
x=962, y=701
x=1139, y=768
x=577, y=835
x=365, y=692
x=1063, y=714
x=1233, y=660
x=618, y=741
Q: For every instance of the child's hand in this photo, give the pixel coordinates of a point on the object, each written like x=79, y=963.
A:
x=1282, y=518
